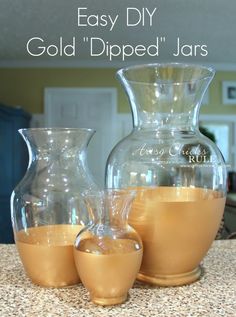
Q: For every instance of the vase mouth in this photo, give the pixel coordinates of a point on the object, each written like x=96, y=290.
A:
x=165, y=73
x=68, y=130
x=55, y=139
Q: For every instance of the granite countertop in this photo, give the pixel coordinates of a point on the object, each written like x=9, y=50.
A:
x=213, y=295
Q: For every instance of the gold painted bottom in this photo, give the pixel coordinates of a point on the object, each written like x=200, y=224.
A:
x=177, y=226
x=47, y=254
x=108, y=276
x=173, y=280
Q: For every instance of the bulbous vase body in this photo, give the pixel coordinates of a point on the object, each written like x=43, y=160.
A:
x=108, y=252
x=47, y=210
x=178, y=173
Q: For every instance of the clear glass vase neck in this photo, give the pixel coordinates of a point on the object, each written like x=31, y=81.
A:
x=109, y=208
x=57, y=144
x=165, y=96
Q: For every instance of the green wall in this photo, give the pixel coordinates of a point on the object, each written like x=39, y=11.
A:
x=25, y=87
x=215, y=105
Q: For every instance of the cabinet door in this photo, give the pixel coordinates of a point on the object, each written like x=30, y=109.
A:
x=6, y=156
x=13, y=163
x=6, y=179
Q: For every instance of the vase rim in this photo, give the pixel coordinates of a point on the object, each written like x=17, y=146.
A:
x=210, y=75
x=56, y=129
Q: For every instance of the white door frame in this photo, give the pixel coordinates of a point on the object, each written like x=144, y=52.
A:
x=222, y=118
x=91, y=120
x=49, y=92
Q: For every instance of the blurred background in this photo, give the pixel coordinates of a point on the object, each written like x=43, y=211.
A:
x=81, y=91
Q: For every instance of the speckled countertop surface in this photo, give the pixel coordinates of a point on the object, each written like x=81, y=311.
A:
x=212, y=296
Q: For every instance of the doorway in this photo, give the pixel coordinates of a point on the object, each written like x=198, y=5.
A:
x=85, y=108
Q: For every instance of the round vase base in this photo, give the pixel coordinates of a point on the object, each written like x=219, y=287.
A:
x=171, y=280
x=109, y=301
x=50, y=284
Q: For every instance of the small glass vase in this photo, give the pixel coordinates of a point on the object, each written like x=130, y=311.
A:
x=47, y=210
x=183, y=171
x=108, y=252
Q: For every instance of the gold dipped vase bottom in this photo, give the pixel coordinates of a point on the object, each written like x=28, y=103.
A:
x=47, y=254
x=109, y=275
x=177, y=226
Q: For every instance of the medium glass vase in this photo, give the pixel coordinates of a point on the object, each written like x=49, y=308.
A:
x=183, y=172
x=47, y=210
x=108, y=252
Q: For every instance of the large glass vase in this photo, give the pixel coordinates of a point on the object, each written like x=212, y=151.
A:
x=178, y=173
